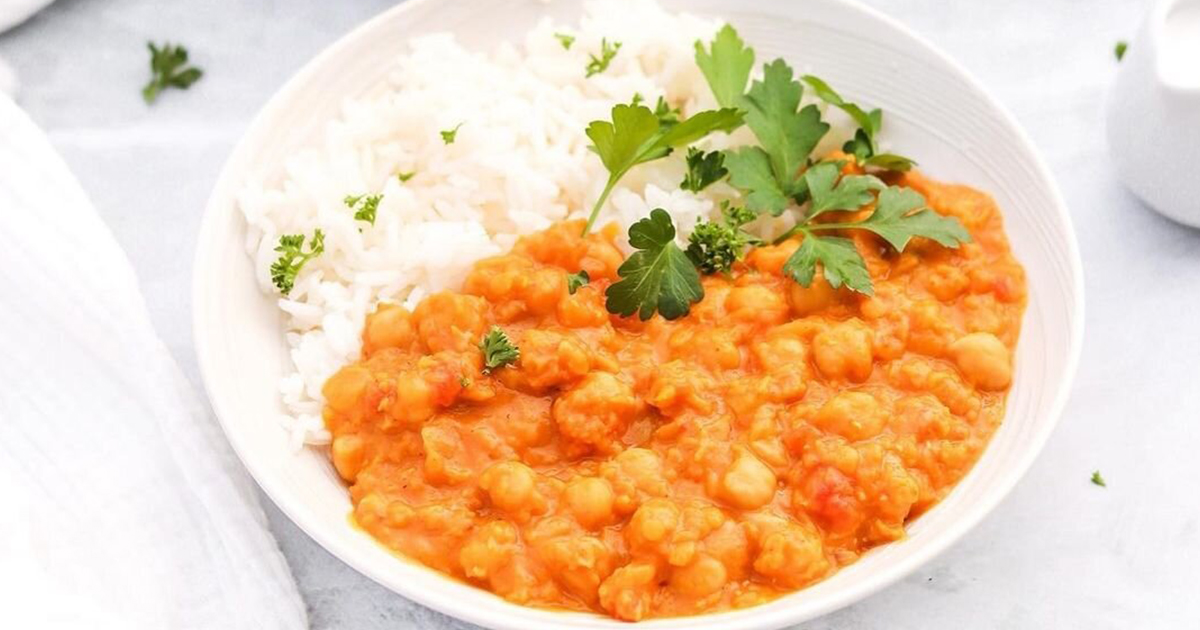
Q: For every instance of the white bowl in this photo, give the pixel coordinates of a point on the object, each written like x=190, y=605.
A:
x=935, y=111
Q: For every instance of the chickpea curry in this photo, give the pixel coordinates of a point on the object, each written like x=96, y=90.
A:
x=663, y=467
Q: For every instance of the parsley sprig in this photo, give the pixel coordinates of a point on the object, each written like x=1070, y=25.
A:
x=292, y=258
x=864, y=146
x=168, y=70
x=577, y=280
x=498, y=350
x=658, y=277
x=636, y=136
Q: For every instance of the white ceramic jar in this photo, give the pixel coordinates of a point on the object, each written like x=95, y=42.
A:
x=1154, y=112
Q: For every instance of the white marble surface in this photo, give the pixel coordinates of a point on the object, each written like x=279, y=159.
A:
x=1058, y=553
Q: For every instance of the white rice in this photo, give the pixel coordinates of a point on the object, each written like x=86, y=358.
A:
x=520, y=162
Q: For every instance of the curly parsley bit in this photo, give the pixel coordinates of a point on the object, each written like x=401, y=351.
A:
x=600, y=64
x=293, y=257
x=658, y=277
x=577, y=280
x=1119, y=53
x=566, y=39
x=715, y=245
x=167, y=71
x=405, y=176
x=364, y=206
x=704, y=169
x=449, y=135
x=1098, y=480
x=498, y=350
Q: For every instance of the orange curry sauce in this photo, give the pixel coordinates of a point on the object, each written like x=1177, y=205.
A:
x=649, y=469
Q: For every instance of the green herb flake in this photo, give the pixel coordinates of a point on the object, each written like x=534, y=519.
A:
x=364, y=206
x=658, y=277
x=577, y=280
x=498, y=350
x=600, y=64
x=566, y=39
x=1098, y=480
x=464, y=382
x=405, y=176
x=293, y=257
x=831, y=191
x=726, y=65
x=449, y=135
x=635, y=136
x=667, y=116
x=714, y=246
x=1119, y=52
x=168, y=69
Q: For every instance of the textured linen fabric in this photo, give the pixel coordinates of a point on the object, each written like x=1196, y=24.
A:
x=121, y=505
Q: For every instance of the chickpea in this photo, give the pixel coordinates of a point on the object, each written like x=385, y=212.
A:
x=344, y=390
x=748, y=483
x=705, y=575
x=510, y=486
x=844, y=351
x=626, y=594
x=817, y=296
x=347, y=452
x=756, y=304
x=791, y=555
x=653, y=522
x=488, y=549
x=852, y=415
x=413, y=402
x=590, y=500
x=984, y=360
x=450, y=321
x=596, y=411
x=390, y=326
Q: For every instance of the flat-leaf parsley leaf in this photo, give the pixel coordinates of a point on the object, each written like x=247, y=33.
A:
x=704, y=169
x=865, y=144
x=292, y=258
x=658, y=277
x=167, y=70
x=726, y=66
x=498, y=350
x=839, y=259
x=829, y=193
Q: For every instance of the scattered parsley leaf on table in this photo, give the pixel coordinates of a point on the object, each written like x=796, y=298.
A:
x=600, y=64
x=635, y=136
x=1098, y=480
x=450, y=135
x=364, y=206
x=704, y=169
x=714, y=246
x=1120, y=49
x=167, y=69
x=839, y=260
x=577, y=280
x=658, y=277
x=293, y=257
x=566, y=39
x=498, y=350
x=726, y=65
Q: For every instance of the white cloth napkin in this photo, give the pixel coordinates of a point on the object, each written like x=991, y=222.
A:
x=121, y=504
